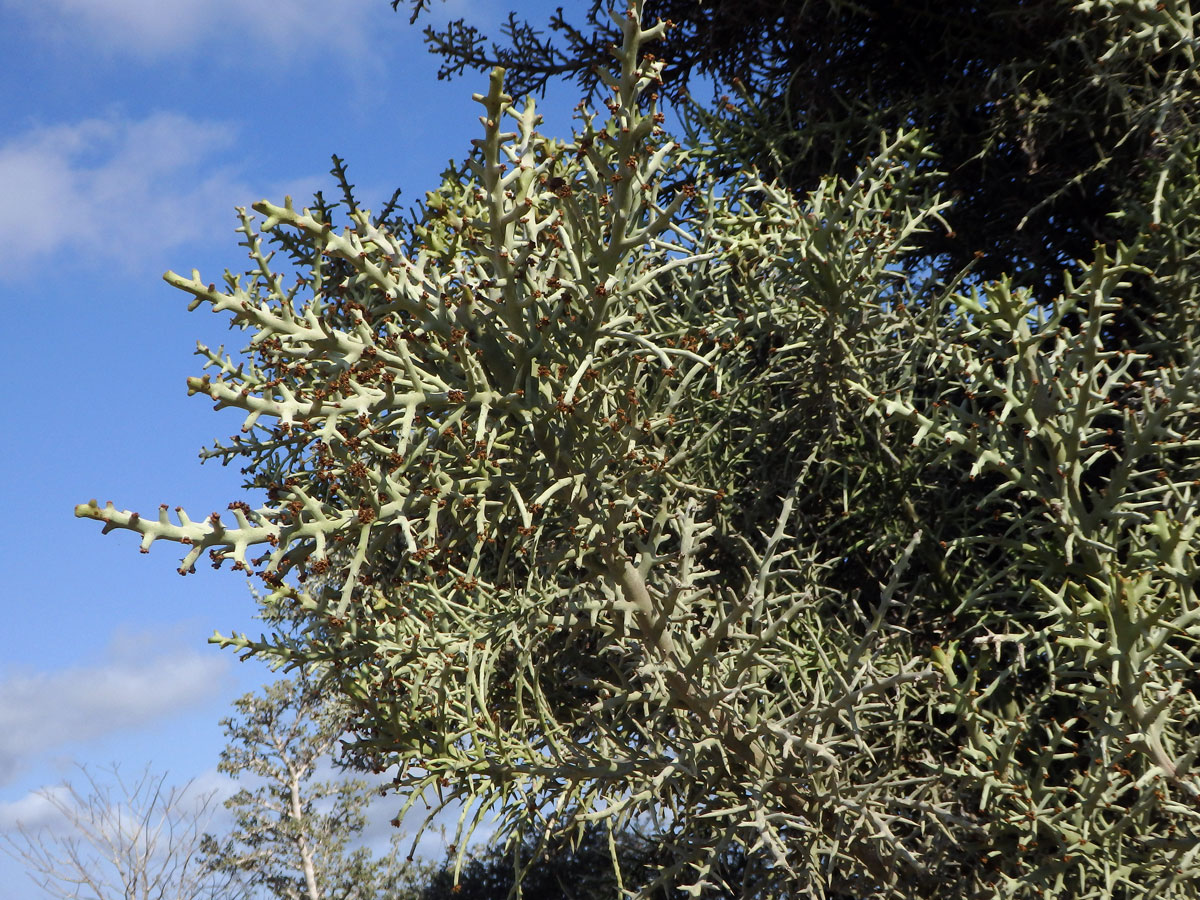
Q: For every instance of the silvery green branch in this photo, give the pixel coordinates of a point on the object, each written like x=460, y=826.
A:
x=614, y=490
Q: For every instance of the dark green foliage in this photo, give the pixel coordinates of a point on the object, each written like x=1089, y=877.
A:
x=582, y=872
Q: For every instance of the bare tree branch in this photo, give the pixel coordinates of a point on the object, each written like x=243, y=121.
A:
x=126, y=839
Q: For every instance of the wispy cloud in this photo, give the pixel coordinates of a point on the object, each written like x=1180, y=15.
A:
x=152, y=30
x=46, y=712
x=114, y=188
x=36, y=810
x=120, y=190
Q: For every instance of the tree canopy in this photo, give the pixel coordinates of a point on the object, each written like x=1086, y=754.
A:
x=622, y=486
x=1046, y=116
x=293, y=829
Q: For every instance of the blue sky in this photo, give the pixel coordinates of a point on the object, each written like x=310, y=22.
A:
x=131, y=131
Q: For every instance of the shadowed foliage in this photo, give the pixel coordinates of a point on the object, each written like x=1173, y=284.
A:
x=1045, y=115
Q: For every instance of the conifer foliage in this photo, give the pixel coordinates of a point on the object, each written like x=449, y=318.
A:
x=616, y=491
x=1046, y=115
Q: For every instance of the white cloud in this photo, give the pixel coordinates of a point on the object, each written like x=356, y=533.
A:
x=43, y=712
x=111, y=187
x=152, y=29
x=118, y=189
x=36, y=810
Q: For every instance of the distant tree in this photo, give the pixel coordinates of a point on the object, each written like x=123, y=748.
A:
x=124, y=840
x=293, y=832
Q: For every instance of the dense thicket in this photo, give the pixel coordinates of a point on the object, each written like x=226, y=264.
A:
x=580, y=870
x=1047, y=116
x=623, y=486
